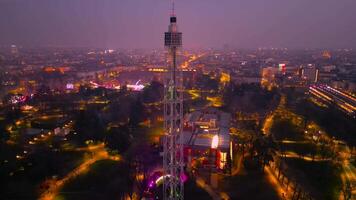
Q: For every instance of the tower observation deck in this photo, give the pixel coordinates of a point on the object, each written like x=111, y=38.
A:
x=173, y=161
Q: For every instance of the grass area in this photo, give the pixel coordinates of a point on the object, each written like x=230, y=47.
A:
x=353, y=162
x=332, y=120
x=48, y=164
x=193, y=192
x=251, y=185
x=197, y=103
x=307, y=149
x=106, y=179
x=286, y=129
x=50, y=122
x=21, y=179
x=154, y=133
x=249, y=98
x=323, y=176
x=303, y=149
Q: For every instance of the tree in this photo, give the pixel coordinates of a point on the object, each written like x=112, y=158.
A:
x=264, y=149
x=153, y=92
x=205, y=82
x=89, y=126
x=118, y=139
x=347, y=191
x=3, y=132
x=141, y=160
x=136, y=113
x=228, y=94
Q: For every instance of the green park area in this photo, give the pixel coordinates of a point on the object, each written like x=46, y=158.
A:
x=323, y=176
x=193, y=192
x=108, y=179
x=105, y=179
x=24, y=178
x=304, y=141
x=249, y=184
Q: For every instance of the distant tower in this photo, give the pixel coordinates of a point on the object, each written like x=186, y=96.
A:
x=14, y=50
x=326, y=55
x=173, y=163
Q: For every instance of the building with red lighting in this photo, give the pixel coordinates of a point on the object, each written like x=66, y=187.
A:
x=206, y=139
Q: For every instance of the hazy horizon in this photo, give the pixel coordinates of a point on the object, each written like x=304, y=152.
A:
x=135, y=24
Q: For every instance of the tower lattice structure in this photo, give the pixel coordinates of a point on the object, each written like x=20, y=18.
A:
x=173, y=161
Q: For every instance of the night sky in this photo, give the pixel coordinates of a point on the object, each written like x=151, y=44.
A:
x=204, y=23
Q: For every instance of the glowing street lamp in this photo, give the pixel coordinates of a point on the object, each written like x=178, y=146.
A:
x=215, y=142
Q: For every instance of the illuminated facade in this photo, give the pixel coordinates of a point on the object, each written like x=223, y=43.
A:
x=206, y=139
x=310, y=73
x=268, y=79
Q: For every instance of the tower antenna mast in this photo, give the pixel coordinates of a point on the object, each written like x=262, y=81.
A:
x=173, y=160
x=173, y=9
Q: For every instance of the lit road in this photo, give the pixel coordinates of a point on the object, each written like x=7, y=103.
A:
x=194, y=93
x=291, y=154
x=348, y=175
x=190, y=60
x=349, y=171
x=98, y=153
x=269, y=119
x=327, y=94
x=215, y=101
x=272, y=179
x=237, y=164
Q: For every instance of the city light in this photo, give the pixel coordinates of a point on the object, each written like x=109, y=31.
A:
x=110, y=109
x=215, y=142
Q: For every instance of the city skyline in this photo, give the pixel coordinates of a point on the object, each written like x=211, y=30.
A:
x=139, y=24
x=177, y=100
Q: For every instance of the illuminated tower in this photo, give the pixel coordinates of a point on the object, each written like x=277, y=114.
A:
x=173, y=163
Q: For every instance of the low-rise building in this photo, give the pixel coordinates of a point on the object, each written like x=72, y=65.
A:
x=206, y=139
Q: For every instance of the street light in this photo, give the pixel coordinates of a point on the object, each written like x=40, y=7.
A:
x=215, y=142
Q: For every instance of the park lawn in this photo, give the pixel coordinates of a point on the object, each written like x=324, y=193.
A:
x=42, y=165
x=323, y=176
x=286, y=129
x=193, y=192
x=106, y=179
x=332, y=120
x=306, y=148
x=251, y=184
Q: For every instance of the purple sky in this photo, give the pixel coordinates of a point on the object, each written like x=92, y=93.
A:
x=204, y=23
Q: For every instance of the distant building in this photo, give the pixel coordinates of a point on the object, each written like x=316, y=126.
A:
x=282, y=68
x=269, y=77
x=14, y=50
x=345, y=85
x=328, y=68
x=225, y=77
x=61, y=131
x=326, y=54
x=310, y=73
x=326, y=77
x=241, y=79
